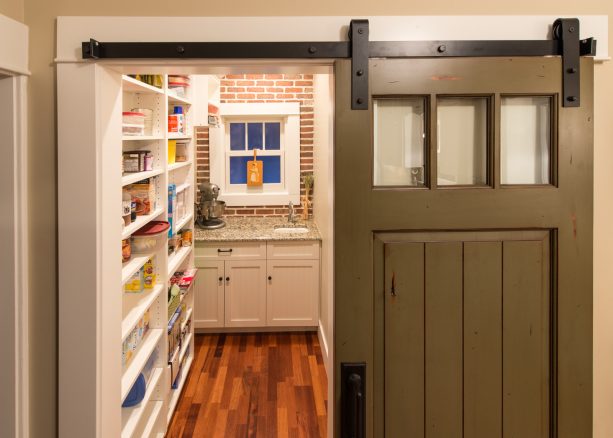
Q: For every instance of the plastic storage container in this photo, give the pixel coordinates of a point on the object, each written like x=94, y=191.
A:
x=151, y=237
x=133, y=123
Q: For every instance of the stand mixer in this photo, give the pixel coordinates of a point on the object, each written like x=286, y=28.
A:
x=209, y=211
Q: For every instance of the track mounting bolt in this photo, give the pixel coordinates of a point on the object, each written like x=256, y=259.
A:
x=442, y=48
x=360, y=31
x=572, y=98
x=180, y=49
x=571, y=29
x=359, y=101
x=312, y=49
x=571, y=70
x=360, y=72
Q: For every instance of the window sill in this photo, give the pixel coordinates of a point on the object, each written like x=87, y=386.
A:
x=253, y=200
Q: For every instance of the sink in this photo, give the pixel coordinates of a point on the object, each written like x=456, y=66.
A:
x=298, y=229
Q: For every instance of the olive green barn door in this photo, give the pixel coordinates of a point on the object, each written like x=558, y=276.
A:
x=463, y=249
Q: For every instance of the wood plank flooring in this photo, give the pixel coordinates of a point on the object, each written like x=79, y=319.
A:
x=262, y=385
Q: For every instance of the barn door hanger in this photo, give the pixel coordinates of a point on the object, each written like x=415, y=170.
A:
x=565, y=42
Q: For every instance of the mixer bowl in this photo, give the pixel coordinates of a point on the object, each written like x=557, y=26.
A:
x=216, y=209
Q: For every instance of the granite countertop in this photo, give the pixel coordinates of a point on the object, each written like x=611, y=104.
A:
x=243, y=229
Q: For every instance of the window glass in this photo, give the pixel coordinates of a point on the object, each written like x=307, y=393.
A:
x=462, y=141
x=254, y=136
x=525, y=140
x=273, y=136
x=399, y=141
x=237, y=136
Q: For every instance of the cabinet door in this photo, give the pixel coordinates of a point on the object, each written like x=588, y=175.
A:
x=292, y=292
x=209, y=295
x=245, y=293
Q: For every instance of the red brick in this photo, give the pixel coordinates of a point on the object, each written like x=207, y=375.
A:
x=245, y=211
x=285, y=96
x=273, y=101
x=306, y=129
x=228, y=96
x=306, y=116
x=227, y=83
x=304, y=83
x=264, y=211
x=307, y=77
x=265, y=96
x=236, y=89
x=293, y=90
x=274, y=90
x=265, y=83
x=235, y=76
x=245, y=96
x=245, y=83
x=254, y=76
x=306, y=123
x=292, y=76
x=274, y=76
x=304, y=96
x=255, y=89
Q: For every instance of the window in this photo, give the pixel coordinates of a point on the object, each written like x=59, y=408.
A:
x=272, y=131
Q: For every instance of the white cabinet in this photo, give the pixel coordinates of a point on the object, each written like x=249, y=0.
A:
x=209, y=294
x=292, y=292
x=245, y=293
x=256, y=284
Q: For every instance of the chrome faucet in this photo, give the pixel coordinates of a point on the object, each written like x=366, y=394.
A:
x=291, y=215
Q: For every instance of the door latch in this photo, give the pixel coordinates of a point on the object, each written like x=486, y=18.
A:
x=353, y=400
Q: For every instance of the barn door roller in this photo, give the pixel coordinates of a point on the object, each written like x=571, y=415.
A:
x=565, y=43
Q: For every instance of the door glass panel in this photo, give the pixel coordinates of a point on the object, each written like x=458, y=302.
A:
x=399, y=141
x=462, y=141
x=525, y=140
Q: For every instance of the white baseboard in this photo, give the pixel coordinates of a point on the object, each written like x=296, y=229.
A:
x=323, y=342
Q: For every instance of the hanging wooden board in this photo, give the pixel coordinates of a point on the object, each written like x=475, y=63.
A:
x=255, y=171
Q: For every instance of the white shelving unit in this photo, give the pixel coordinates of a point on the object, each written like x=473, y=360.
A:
x=99, y=315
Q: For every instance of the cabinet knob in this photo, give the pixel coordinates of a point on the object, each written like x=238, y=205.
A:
x=227, y=278
x=220, y=279
x=269, y=277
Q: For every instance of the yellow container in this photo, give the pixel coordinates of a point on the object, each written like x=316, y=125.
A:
x=172, y=151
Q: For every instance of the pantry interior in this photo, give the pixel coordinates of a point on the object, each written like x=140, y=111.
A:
x=164, y=131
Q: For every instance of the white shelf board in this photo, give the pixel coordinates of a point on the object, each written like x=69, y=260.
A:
x=175, y=98
x=177, y=259
x=176, y=393
x=178, y=136
x=142, y=137
x=178, y=165
x=183, y=187
x=184, y=221
x=146, y=347
x=131, y=417
x=185, y=347
x=153, y=419
x=136, y=86
x=137, y=312
x=140, y=222
x=131, y=178
x=135, y=263
x=187, y=317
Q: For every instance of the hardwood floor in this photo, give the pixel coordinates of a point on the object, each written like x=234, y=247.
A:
x=263, y=385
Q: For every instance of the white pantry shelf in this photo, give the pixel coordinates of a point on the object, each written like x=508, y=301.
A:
x=138, y=310
x=178, y=136
x=140, y=222
x=153, y=419
x=183, y=221
x=178, y=165
x=131, y=178
x=142, y=137
x=145, y=348
x=174, y=398
x=130, y=268
x=175, y=98
x=183, y=187
x=185, y=347
x=135, y=86
x=131, y=417
x=177, y=259
x=187, y=318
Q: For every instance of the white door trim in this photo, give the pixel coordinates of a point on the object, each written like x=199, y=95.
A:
x=14, y=378
x=72, y=31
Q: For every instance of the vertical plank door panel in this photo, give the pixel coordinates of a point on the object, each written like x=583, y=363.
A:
x=482, y=339
x=443, y=269
x=404, y=340
x=525, y=340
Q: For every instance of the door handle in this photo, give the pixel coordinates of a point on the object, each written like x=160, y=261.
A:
x=229, y=250
x=270, y=278
x=220, y=279
x=353, y=400
x=227, y=278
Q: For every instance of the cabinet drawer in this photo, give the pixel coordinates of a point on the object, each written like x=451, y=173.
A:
x=293, y=250
x=232, y=251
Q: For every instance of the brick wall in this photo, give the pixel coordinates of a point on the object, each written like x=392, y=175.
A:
x=259, y=88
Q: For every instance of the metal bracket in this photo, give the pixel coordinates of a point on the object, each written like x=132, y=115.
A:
x=91, y=49
x=353, y=400
x=566, y=30
x=358, y=34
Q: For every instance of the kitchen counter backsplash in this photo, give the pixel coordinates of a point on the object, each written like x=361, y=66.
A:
x=242, y=229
